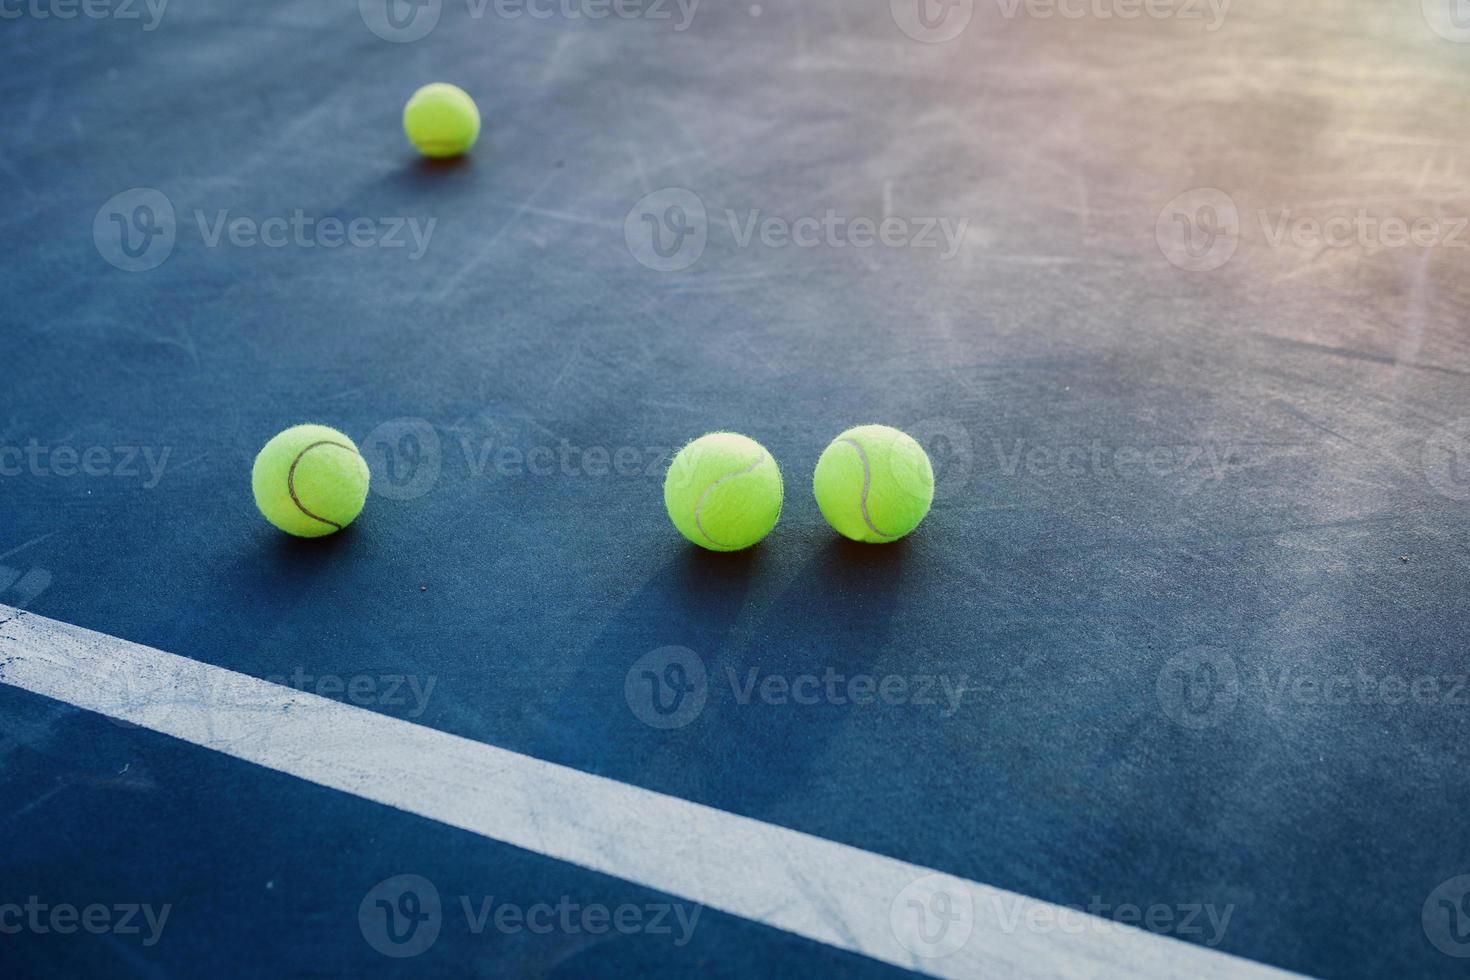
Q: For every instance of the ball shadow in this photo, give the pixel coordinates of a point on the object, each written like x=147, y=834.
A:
x=692, y=601
x=835, y=618
x=739, y=750
x=437, y=165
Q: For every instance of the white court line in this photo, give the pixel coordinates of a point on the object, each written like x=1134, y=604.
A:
x=851, y=899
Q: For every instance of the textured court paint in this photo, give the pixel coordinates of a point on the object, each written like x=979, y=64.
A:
x=1298, y=387
x=819, y=889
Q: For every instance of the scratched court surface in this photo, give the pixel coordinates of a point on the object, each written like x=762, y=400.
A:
x=1178, y=304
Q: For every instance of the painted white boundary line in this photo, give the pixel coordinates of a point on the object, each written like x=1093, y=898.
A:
x=854, y=900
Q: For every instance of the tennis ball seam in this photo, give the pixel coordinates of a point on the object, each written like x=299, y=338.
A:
x=699, y=504
x=291, y=479
x=867, y=483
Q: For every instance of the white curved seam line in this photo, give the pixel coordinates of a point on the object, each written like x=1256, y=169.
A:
x=699, y=504
x=867, y=482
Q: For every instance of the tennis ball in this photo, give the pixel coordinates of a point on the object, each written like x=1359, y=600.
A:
x=441, y=120
x=723, y=491
x=309, y=481
x=874, y=484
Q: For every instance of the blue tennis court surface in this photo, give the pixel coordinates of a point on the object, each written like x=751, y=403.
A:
x=1171, y=682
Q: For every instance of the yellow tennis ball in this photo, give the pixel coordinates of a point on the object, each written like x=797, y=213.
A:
x=310, y=480
x=723, y=491
x=441, y=120
x=874, y=484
